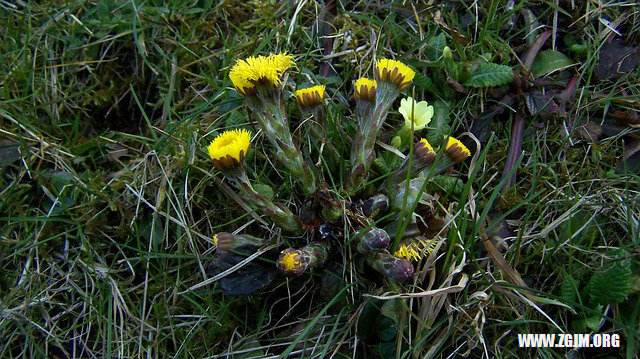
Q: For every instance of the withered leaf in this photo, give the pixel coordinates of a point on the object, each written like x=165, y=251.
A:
x=616, y=60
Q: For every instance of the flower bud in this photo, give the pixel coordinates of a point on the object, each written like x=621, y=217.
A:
x=446, y=54
x=424, y=152
x=374, y=240
x=455, y=150
x=376, y=205
x=365, y=89
x=310, y=97
x=228, y=242
x=397, y=269
x=397, y=142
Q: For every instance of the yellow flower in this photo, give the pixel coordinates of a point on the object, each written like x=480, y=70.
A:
x=215, y=239
x=290, y=261
x=414, y=251
x=407, y=252
x=395, y=72
x=425, y=144
x=245, y=74
x=310, y=97
x=424, y=151
x=456, y=151
x=228, y=149
x=365, y=89
x=422, y=113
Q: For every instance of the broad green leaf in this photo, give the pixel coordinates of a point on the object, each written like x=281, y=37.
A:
x=549, y=61
x=393, y=309
x=435, y=47
x=489, y=75
x=569, y=289
x=448, y=183
x=263, y=189
x=611, y=285
x=439, y=125
x=368, y=318
x=386, y=329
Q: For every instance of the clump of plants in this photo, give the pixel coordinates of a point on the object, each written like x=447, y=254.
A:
x=382, y=210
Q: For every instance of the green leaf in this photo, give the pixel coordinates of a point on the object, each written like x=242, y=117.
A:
x=263, y=189
x=549, y=61
x=543, y=300
x=587, y=324
x=569, y=289
x=381, y=165
x=439, y=125
x=368, y=318
x=611, y=285
x=435, y=47
x=393, y=309
x=386, y=329
x=450, y=184
x=423, y=82
x=489, y=75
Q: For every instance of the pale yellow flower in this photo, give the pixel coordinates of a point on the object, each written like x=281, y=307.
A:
x=420, y=113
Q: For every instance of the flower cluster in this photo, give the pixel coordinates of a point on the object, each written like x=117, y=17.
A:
x=262, y=82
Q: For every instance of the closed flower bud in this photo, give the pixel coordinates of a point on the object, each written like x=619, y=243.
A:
x=397, y=269
x=397, y=142
x=376, y=205
x=365, y=89
x=446, y=54
x=455, y=150
x=374, y=240
x=310, y=97
x=228, y=242
x=424, y=152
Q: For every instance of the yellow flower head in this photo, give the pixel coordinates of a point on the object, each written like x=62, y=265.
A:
x=424, y=151
x=394, y=72
x=228, y=149
x=425, y=144
x=215, y=239
x=456, y=151
x=290, y=261
x=420, y=113
x=246, y=74
x=415, y=250
x=408, y=253
x=311, y=96
x=365, y=89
